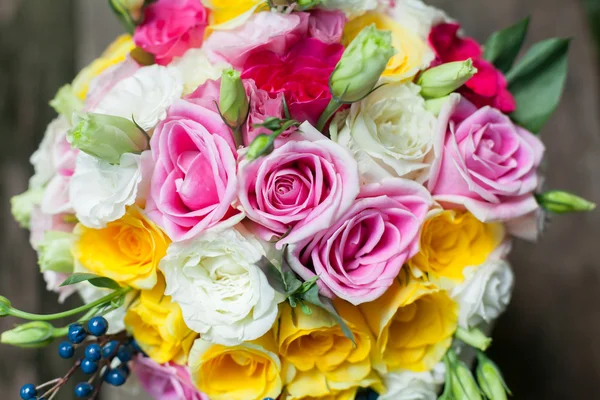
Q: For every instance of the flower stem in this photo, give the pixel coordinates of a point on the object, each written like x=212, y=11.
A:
x=331, y=109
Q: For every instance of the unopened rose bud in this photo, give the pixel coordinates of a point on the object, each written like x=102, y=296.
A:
x=22, y=205
x=66, y=102
x=55, y=252
x=446, y=78
x=260, y=146
x=560, y=202
x=362, y=64
x=106, y=137
x=233, y=101
x=30, y=335
x=490, y=379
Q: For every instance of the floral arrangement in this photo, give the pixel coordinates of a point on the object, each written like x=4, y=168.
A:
x=289, y=200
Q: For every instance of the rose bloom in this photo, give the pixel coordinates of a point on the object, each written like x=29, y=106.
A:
x=488, y=87
x=299, y=189
x=194, y=181
x=165, y=382
x=171, y=27
x=301, y=74
x=251, y=370
x=327, y=26
x=485, y=163
x=127, y=250
x=360, y=256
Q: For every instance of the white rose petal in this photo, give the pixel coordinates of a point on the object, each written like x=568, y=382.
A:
x=223, y=295
x=484, y=294
x=100, y=192
x=194, y=68
x=145, y=96
x=417, y=16
x=352, y=8
x=390, y=133
x=408, y=385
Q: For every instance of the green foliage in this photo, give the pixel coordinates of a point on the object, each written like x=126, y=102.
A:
x=502, y=48
x=96, y=280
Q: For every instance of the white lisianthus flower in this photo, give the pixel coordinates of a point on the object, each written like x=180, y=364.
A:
x=145, y=96
x=484, y=294
x=194, y=68
x=352, y=8
x=223, y=294
x=417, y=16
x=100, y=192
x=390, y=133
x=408, y=385
x=43, y=159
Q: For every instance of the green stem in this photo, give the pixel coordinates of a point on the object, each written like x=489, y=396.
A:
x=333, y=106
x=50, y=317
x=237, y=136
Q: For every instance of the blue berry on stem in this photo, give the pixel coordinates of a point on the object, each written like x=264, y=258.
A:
x=98, y=326
x=93, y=352
x=28, y=392
x=124, y=353
x=115, y=377
x=66, y=350
x=83, y=390
x=89, y=367
x=110, y=349
x=77, y=333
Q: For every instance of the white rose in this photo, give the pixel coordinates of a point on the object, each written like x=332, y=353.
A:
x=390, y=133
x=145, y=96
x=194, y=68
x=417, y=16
x=223, y=295
x=484, y=294
x=100, y=192
x=408, y=385
x=352, y=8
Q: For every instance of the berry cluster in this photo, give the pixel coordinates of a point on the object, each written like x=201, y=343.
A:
x=104, y=361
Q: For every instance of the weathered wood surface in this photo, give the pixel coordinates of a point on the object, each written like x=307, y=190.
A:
x=547, y=341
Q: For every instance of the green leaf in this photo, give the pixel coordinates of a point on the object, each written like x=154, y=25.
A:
x=96, y=280
x=537, y=82
x=312, y=296
x=123, y=15
x=274, y=277
x=592, y=9
x=503, y=46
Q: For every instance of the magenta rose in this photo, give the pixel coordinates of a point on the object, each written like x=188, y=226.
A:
x=171, y=27
x=484, y=162
x=358, y=257
x=165, y=382
x=194, y=180
x=301, y=188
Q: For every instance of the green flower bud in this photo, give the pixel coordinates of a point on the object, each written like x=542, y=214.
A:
x=22, y=205
x=435, y=106
x=30, y=335
x=55, y=252
x=463, y=383
x=362, y=64
x=5, y=306
x=474, y=338
x=490, y=379
x=233, y=102
x=260, y=146
x=446, y=78
x=106, y=137
x=66, y=102
x=560, y=202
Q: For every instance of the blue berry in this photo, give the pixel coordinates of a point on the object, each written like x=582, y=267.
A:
x=115, y=377
x=77, y=333
x=97, y=326
x=28, y=392
x=93, y=352
x=66, y=350
x=110, y=349
x=83, y=390
x=89, y=367
x=124, y=353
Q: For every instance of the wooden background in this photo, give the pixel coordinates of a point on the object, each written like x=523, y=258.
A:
x=547, y=343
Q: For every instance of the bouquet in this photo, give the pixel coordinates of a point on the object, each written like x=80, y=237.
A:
x=290, y=200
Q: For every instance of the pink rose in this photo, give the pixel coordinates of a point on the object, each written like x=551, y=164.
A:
x=264, y=31
x=301, y=188
x=327, y=26
x=302, y=75
x=165, y=382
x=171, y=27
x=484, y=162
x=194, y=180
x=42, y=223
x=358, y=258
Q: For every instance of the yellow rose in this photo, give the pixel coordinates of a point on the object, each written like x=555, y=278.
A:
x=228, y=14
x=157, y=325
x=414, y=322
x=412, y=53
x=249, y=371
x=127, y=250
x=319, y=360
x=114, y=54
x=349, y=394
x=452, y=241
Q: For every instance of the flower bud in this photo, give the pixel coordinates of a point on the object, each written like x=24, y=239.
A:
x=446, y=78
x=435, y=106
x=55, y=252
x=233, y=102
x=560, y=202
x=22, y=205
x=133, y=7
x=5, y=306
x=474, y=338
x=463, y=383
x=106, y=137
x=362, y=64
x=490, y=379
x=260, y=146
x=66, y=102
x=30, y=335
